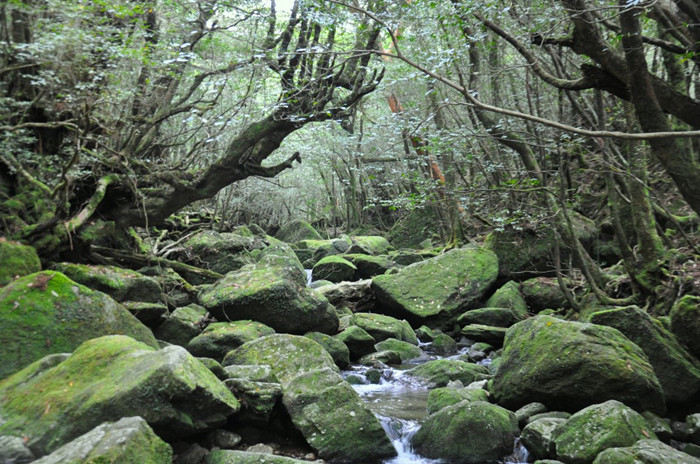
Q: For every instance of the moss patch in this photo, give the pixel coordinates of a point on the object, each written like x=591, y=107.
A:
x=17, y=260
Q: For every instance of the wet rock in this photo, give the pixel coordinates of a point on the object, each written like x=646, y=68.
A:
x=467, y=433
x=529, y=410
x=645, y=452
x=442, y=397
x=46, y=313
x=465, y=274
x=121, y=284
x=129, y=440
x=443, y=344
x=382, y=327
x=17, y=260
x=441, y=371
x=425, y=334
x=107, y=378
x=405, y=350
x=570, y=365
x=678, y=372
x=221, y=337
x=599, y=427
x=334, y=269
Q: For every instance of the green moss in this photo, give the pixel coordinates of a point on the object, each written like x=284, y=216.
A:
x=439, y=398
x=47, y=313
x=376, y=245
x=297, y=230
x=442, y=371
x=685, y=322
x=405, y=350
x=509, y=296
x=17, y=260
x=334, y=268
x=121, y=284
x=221, y=337
x=382, y=327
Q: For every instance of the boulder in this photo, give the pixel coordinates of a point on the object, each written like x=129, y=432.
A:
x=685, y=322
x=358, y=341
x=494, y=336
x=151, y=314
x=440, y=372
x=247, y=457
x=296, y=231
x=374, y=244
x=270, y=295
x=14, y=451
x=467, y=433
x=405, y=350
x=327, y=411
x=442, y=397
x=335, y=269
x=182, y=325
x=129, y=440
x=599, y=427
x=333, y=247
x=497, y=317
x=406, y=257
x=382, y=327
x=220, y=252
x=121, y=284
x=538, y=436
x=380, y=358
x=465, y=275
x=509, y=296
x=356, y=296
x=570, y=365
x=677, y=371
x=337, y=349
x=46, y=313
x=108, y=378
x=543, y=293
x=221, y=337
x=645, y=451
x=443, y=344
x=369, y=266
x=17, y=260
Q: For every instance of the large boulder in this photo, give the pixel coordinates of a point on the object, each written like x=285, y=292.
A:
x=121, y=284
x=17, y=260
x=543, y=293
x=370, y=244
x=108, y=378
x=338, y=350
x=405, y=350
x=221, y=252
x=355, y=296
x=467, y=433
x=497, y=317
x=509, y=296
x=334, y=269
x=677, y=371
x=538, y=436
x=685, y=322
x=645, y=451
x=369, y=266
x=570, y=365
x=268, y=294
x=599, y=427
x=221, y=337
x=328, y=412
x=442, y=397
x=46, y=313
x=182, y=325
x=464, y=276
x=296, y=231
x=382, y=327
x=127, y=441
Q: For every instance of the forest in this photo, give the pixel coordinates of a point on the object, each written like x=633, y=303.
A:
x=539, y=159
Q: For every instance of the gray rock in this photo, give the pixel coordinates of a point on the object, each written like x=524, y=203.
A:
x=355, y=296
x=529, y=410
x=182, y=325
x=645, y=452
x=538, y=437
x=13, y=450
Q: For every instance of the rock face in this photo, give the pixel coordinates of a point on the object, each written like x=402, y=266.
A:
x=271, y=295
x=570, y=365
x=121, y=284
x=599, y=427
x=325, y=408
x=17, y=260
x=465, y=274
x=677, y=371
x=467, y=433
x=127, y=441
x=685, y=322
x=46, y=313
x=645, y=452
x=108, y=378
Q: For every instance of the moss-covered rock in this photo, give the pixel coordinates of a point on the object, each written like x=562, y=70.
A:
x=464, y=275
x=182, y=325
x=442, y=397
x=246, y=457
x=599, y=427
x=151, y=314
x=509, y=296
x=17, y=260
x=266, y=294
x=405, y=350
x=497, y=317
x=281, y=257
x=221, y=337
x=645, y=452
x=542, y=293
x=220, y=252
x=333, y=247
x=443, y=344
x=127, y=441
x=485, y=333
x=325, y=408
x=382, y=327
x=441, y=371
x=538, y=437
x=467, y=433
x=358, y=341
x=335, y=269
x=570, y=365
x=369, y=266
x=677, y=371
x=685, y=322
x=405, y=257
x=374, y=244
x=121, y=284
x=296, y=231
x=355, y=296
x=108, y=378
x=337, y=349
x=46, y=313
x=380, y=358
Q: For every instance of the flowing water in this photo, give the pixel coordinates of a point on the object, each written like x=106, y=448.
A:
x=400, y=401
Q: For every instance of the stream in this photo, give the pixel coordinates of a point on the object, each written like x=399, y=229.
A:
x=400, y=401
